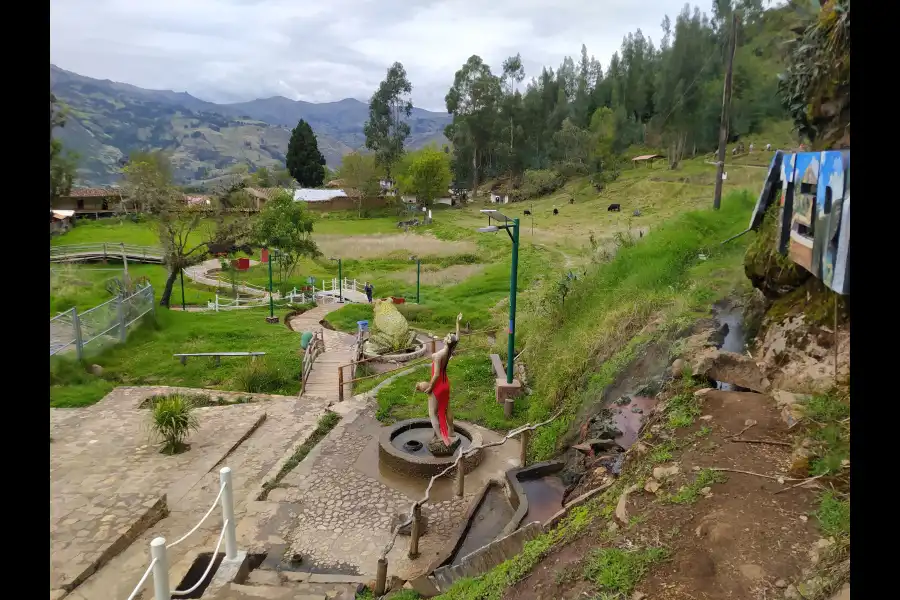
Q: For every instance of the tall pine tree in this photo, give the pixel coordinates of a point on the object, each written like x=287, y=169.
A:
x=304, y=161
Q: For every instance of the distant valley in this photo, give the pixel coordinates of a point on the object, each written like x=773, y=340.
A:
x=108, y=120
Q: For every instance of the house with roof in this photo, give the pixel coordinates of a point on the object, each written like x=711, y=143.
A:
x=94, y=202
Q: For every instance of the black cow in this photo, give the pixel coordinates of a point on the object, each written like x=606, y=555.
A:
x=555, y=211
x=527, y=212
x=614, y=208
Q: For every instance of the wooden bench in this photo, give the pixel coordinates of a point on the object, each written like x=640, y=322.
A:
x=218, y=355
x=499, y=369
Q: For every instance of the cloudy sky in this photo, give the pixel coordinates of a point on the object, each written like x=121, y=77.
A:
x=237, y=50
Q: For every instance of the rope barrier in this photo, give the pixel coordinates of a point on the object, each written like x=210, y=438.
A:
x=197, y=526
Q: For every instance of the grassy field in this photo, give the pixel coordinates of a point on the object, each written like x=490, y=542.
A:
x=652, y=286
x=84, y=286
x=472, y=394
x=146, y=359
x=461, y=271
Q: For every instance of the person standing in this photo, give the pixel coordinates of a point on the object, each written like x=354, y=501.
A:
x=369, y=289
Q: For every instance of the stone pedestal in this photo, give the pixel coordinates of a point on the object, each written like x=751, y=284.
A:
x=437, y=447
x=507, y=390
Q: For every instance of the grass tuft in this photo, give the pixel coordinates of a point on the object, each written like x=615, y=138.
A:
x=617, y=572
x=690, y=492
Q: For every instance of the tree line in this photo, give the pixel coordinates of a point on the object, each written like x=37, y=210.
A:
x=578, y=119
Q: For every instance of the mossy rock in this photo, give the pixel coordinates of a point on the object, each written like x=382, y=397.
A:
x=769, y=271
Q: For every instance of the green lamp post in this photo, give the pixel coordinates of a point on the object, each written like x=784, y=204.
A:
x=511, y=226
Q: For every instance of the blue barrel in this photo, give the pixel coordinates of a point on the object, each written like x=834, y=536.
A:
x=363, y=325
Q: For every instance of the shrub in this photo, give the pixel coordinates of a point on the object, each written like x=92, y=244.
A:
x=261, y=377
x=173, y=420
x=541, y=182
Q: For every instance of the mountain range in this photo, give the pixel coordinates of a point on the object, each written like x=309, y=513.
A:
x=107, y=120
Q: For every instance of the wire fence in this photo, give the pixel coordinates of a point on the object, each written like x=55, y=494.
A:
x=105, y=324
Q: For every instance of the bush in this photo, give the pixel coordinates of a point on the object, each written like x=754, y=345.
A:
x=541, y=182
x=261, y=377
x=173, y=420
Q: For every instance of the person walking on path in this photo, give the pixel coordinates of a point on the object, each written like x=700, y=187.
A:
x=369, y=289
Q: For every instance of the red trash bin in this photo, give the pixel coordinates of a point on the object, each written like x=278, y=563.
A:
x=243, y=264
x=264, y=255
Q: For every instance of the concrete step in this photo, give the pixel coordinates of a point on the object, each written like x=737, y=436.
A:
x=235, y=591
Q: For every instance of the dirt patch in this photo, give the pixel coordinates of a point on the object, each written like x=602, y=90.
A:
x=447, y=276
x=374, y=246
x=737, y=539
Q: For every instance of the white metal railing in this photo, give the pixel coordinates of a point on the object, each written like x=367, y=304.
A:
x=159, y=562
x=238, y=303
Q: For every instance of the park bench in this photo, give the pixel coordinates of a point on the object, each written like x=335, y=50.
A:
x=499, y=369
x=218, y=355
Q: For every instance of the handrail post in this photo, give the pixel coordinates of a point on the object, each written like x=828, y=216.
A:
x=340, y=383
x=228, y=513
x=76, y=325
x=415, y=532
x=161, y=590
x=381, y=577
x=460, y=476
x=120, y=310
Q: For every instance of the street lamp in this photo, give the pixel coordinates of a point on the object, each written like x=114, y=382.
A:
x=340, y=279
x=271, y=301
x=513, y=225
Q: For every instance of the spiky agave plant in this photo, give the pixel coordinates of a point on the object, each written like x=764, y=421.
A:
x=173, y=420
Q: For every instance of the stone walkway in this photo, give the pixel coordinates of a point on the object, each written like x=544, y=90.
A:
x=336, y=508
x=108, y=481
x=199, y=273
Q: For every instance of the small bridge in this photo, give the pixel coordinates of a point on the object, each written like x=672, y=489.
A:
x=104, y=251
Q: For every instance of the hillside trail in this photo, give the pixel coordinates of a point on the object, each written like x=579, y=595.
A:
x=726, y=496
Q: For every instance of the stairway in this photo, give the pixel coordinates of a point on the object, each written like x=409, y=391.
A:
x=264, y=584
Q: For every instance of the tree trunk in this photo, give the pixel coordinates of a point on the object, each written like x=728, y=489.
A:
x=475, y=172
x=167, y=291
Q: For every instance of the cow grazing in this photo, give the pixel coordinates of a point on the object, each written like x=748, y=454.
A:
x=527, y=212
x=614, y=208
x=555, y=211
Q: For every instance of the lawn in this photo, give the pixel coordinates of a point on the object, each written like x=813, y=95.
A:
x=83, y=286
x=574, y=350
x=472, y=396
x=146, y=358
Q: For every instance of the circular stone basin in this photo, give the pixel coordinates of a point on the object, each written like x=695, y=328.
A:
x=418, y=350
x=403, y=447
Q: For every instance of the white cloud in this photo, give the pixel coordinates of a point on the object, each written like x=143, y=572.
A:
x=235, y=50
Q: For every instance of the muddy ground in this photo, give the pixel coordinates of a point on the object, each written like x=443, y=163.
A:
x=714, y=492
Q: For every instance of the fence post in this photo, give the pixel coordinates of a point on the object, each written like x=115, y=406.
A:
x=120, y=309
x=76, y=325
x=152, y=300
x=217, y=302
x=104, y=252
x=460, y=476
x=341, y=383
x=161, y=590
x=380, y=577
x=415, y=531
x=228, y=513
